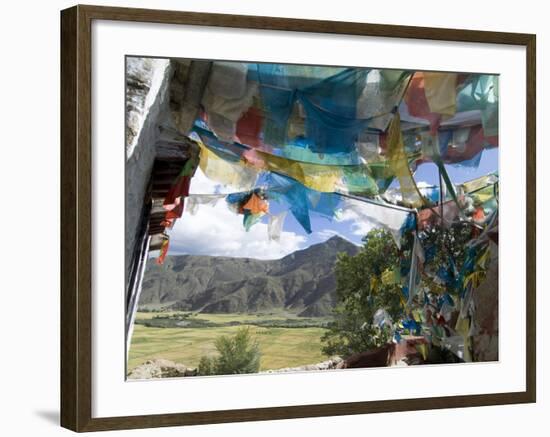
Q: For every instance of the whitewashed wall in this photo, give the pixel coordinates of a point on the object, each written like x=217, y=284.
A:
x=146, y=104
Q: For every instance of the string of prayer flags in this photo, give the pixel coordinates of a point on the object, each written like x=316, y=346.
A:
x=417, y=103
x=331, y=111
x=392, y=219
x=481, y=92
x=234, y=174
x=479, y=183
x=173, y=202
x=400, y=165
x=465, y=145
x=293, y=194
x=279, y=88
x=175, y=212
x=193, y=201
x=252, y=205
x=228, y=94
x=180, y=188
x=441, y=215
x=163, y=251
x=275, y=226
x=381, y=94
x=250, y=219
x=440, y=91
x=224, y=167
x=249, y=127
x=338, y=103
x=323, y=178
x=417, y=262
x=256, y=205
x=298, y=150
x=433, y=147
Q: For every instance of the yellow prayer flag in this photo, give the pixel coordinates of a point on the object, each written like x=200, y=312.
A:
x=225, y=172
x=440, y=90
x=400, y=165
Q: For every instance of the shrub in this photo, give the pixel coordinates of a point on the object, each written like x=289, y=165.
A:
x=207, y=366
x=236, y=355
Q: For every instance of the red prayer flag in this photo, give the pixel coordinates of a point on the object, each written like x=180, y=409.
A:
x=474, y=145
x=163, y=251
x=249, y=127
x=179, y=189
x=177, y=211
x=417, y=104
x=479, y=214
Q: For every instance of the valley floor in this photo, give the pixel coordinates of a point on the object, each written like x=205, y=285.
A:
x=280, y=346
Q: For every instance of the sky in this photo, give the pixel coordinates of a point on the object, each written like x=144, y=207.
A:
x=218, y=231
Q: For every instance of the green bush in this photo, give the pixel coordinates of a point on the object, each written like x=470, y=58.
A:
x=207, y=366
x=236, y=355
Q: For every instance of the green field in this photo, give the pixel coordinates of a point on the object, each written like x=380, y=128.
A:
x=280, y=347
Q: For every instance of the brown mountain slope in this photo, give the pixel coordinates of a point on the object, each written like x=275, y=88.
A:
x=302, y=282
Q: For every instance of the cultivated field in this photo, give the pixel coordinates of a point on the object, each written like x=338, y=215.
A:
x=280, y=346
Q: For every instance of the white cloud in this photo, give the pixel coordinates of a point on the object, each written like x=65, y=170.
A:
x=394, y=194
x=325, y=234
x=218, y=231
x=201, y=184
x=359, y=225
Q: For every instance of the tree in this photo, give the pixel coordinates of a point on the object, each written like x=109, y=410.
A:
x=446, y=250
x=236, y=355
x=365, y=285
x=363, y=288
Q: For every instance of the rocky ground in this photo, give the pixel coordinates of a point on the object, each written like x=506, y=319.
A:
x=160, y=368
x=331, y=363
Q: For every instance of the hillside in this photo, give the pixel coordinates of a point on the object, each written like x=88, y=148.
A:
x=302, y=282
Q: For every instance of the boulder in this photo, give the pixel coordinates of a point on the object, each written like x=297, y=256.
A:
x=160, y=368
x=331, y=363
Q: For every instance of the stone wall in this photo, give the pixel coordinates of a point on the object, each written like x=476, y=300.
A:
x=147, y=83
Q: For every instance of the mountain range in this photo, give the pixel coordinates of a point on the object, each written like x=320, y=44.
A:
x=303, y=282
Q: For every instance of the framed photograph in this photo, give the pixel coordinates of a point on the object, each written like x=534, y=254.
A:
x=268, y=218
